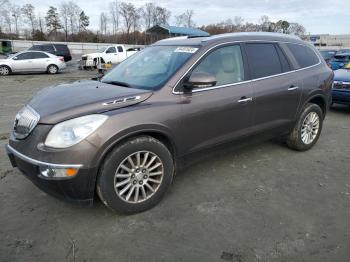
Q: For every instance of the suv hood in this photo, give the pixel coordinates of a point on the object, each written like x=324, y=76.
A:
x=92, y=54
x=342, y=75
x=67, y=101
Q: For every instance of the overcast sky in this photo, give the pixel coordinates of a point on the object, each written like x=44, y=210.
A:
x=318, y=16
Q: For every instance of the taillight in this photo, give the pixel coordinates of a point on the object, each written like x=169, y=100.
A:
x=61, y=58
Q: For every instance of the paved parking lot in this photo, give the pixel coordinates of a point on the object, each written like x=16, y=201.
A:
x=262, y=202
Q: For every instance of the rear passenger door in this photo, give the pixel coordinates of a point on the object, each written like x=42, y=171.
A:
x=277, y=89
x=40, y=61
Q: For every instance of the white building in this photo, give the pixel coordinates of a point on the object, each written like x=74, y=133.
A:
x=329, y=41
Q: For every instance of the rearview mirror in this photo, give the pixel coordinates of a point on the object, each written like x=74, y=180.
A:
x=200, y=80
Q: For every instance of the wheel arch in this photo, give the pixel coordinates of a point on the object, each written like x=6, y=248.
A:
x=157, y=134
x=7, y=67
x=319, y=100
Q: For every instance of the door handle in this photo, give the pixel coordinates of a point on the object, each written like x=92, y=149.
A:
x=292, y=88
x=245, y=99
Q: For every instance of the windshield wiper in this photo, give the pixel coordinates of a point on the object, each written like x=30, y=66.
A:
x=118, y=83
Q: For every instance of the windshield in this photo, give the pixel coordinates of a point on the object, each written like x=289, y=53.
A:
x=327, y=54
x=340, y=58
x=34, y=48
x=101, y=50
x=150, y=68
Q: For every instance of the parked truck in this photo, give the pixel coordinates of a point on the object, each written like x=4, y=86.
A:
x=113, y=54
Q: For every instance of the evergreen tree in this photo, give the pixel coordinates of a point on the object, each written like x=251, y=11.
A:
x=83, y=21
x=52, y=20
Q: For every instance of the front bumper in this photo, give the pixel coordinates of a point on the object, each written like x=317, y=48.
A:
x=78, y=189
x=86, y=63
x=341, y=96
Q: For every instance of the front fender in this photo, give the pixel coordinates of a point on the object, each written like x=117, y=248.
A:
x=121, y=135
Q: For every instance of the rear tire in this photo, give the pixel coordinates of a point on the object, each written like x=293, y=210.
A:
x=5, y=70
x=52, y=69
x=308, y=128
x=135, y=175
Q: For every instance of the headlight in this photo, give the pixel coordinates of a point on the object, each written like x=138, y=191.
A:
x=71, y=132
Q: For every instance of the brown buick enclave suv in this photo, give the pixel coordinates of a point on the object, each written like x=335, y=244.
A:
x=124, y=136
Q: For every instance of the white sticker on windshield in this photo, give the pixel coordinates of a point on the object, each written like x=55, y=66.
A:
x=186, y=49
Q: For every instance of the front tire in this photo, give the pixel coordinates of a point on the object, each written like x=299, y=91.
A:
x=52, y=69
x=135, y=175
x=308, y=128
x=5, y=70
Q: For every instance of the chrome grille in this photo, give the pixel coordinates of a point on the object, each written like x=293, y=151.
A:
x=25, y=121
x=341, y=85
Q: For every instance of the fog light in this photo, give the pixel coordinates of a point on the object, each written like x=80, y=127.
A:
x=50, y=172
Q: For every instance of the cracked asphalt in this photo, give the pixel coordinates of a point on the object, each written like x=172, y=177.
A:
x=262, y=202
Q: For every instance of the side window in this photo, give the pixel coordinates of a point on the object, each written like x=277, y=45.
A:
x=36, y=48
x=263, y=59
x=24, y=56
x=225, y=63
x=120, y=49
x=304, y=55
x=38, y=55
x=48, y=48
x=284, y=61
x=111, y=50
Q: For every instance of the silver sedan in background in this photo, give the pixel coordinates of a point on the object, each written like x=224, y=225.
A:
x=32, y=61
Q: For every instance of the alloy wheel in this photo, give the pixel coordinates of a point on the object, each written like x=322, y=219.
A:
x=310, y=128
x=138, y=177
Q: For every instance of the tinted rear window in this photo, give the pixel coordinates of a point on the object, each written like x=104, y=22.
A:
x=48, y=48
x=264, y=60
x=62, y=48
x=36, y=48
x=304, y=55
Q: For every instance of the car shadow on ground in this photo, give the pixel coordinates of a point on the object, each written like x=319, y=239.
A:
x=345, y=109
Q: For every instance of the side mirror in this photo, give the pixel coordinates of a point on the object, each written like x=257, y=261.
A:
x=200, y=80
x=15, y=58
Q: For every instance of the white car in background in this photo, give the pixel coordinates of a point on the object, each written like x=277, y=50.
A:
x=32, y=61
x=113, y=54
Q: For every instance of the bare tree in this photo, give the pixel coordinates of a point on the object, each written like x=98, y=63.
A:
x=114, y=12
x=28, y=12
x=147, y=14
x=264, y=22
x=296, y=29
x=16, y=14
x=6, y=16
x=73, y=16
x=238, y=22
x=161, y=16
x=185, y=19
x=64, y=12
x=41, y=23
x=103, y=23
x=127, y=12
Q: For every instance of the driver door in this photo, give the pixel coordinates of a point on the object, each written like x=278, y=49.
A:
x=214, y=115
x=22, y=62
x=111, y=55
